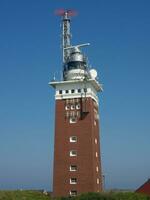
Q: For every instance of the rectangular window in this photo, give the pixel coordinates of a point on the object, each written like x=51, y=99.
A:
x=67, y=91
x=97, y=181
x=95, y=141
x=67, y=114
x=67, y=101
x=96, y=154
x=73, y=168
x=72, y=91
x=73, y=180
x=73, y=193
x=73, y=139
x=79, y=90
x=72, y=107
x=60, y=91
x=67, y=107
x=97, y=169
x=73, y=120
x=78, y=114
x=73, y=153
x=78, y=106
x=77, y=100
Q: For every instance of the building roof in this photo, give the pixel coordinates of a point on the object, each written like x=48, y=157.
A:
x=145, y=188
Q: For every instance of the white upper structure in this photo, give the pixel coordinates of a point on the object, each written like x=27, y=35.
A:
x=78, y=81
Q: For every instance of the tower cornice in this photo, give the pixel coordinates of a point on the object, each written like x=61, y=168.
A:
x=97, y=86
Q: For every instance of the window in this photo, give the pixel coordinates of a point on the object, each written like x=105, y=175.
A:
x=72, y=113
x=73, y=153
x=73, y=180
x=73, y=139
x=78, y=106
x=95, y=141
x=76, y=100
x=67, y=107
x=72, y=101
x=67, y=101
x=67, y=91
x=94, y=123
x=67, y=114
x=73, y=168
x=97, y=169
x=72, y=91
x=78, y=114
x=97, y=180
x=60, y=91
x=79, y=90
x=96, y=116
x=73, y=193
x=96, y=154
x=73, y=120
x=72, y=107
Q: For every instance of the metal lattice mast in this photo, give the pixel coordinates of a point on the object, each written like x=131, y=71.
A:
x=66, y=34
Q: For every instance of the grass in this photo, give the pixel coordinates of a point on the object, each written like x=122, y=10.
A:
x=23, y=195
x=35, y=195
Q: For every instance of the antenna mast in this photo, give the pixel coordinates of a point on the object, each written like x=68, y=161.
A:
x=66, y=34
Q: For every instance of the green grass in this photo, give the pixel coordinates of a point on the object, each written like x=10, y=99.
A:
x=35, y=195
x=22, y=195
x=109, y=196
x=113, y=196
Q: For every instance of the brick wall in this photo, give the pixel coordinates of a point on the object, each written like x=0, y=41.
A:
x=87, y=132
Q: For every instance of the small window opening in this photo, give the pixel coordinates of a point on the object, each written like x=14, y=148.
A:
x=67, y=107
x=97, y=181
x=97, y=169
x=73, y=168
x=72, y=107
x=73, y=153
x=73, y=120
x=78, y=106
x=73, y=193
x=73, y=181
x=73, y=139
x=60, y=91
x=95, y=141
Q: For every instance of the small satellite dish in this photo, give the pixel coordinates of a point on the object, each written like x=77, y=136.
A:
x=93, y=73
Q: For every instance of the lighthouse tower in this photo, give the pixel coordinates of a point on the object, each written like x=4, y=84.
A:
x=77, y=158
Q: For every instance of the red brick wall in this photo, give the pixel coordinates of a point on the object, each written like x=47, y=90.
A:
x=86, y=160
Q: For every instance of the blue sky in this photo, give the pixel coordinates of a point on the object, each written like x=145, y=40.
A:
x=119, y=33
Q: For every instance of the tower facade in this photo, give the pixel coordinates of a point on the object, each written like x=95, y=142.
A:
x=77, y=158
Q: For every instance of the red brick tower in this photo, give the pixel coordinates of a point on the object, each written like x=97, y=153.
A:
x=77, y=162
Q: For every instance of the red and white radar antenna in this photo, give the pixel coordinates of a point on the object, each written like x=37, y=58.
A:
x=62, y=12
x=66, y=34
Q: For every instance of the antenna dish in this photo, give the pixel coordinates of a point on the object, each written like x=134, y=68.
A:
x=93, y=73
